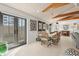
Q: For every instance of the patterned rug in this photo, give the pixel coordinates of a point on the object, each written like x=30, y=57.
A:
x=71, y=52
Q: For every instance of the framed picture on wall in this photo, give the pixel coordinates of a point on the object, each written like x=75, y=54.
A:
x=44, y=26
x=40, y=26
x=65, y=27
x=33, y=25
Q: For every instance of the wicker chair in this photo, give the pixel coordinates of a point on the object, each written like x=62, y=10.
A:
x=49, y=40
x=55, y=38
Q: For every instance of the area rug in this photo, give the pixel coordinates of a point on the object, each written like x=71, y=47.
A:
x=71, y=52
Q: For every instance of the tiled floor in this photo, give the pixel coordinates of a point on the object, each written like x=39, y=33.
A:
x=36, y=49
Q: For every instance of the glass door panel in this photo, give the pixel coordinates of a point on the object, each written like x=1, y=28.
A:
x=21, y=31
x=8, y=29
x=11, y=29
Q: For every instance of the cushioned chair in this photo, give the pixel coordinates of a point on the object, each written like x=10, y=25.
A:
x=43, y=35
x=50, y=39
x=55, y=38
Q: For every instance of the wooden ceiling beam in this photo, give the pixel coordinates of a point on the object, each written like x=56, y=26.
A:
x=67, y=14
x=54, y=6
x=69, y=18
x=65, y=18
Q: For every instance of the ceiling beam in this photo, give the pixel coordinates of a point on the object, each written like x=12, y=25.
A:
x=64, y=18
x=67, y=14
x=69, y=18
x=54, y=6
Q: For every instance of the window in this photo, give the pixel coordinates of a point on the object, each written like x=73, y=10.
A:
x=8, y=20
x=5, y=20
x=21, y=22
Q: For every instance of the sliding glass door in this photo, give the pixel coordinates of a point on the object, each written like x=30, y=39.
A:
x=21, y=30
x=8, y=29
x=12, y=30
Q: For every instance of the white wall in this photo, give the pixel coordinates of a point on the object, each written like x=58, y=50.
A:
x=31, y=35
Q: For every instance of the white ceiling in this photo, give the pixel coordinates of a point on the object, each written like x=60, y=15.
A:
x=35, y=9
x=31, y=8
